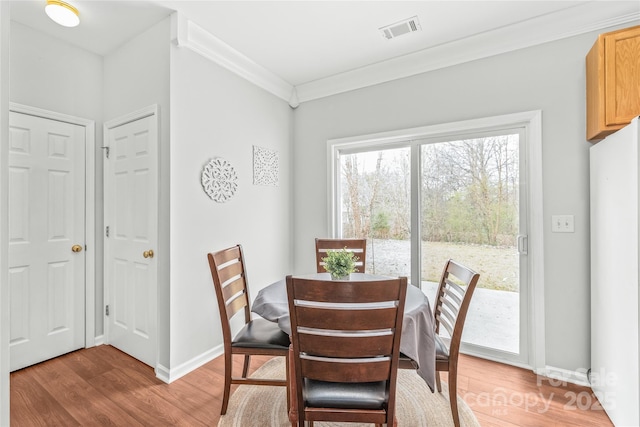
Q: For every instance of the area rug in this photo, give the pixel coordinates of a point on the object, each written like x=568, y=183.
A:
x=263, y=406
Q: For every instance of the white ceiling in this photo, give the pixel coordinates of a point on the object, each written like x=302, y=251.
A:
x=305, y=43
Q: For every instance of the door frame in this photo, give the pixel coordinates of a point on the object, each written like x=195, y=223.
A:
x=89, y=212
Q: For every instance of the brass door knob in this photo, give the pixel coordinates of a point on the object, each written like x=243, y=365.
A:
x=76, y=248
x=148, y=254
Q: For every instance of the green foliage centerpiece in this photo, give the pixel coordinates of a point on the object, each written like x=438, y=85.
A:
x=340, y=263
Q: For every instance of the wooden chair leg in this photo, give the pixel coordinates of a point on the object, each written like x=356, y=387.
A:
x=453, y=397
x=438, y=384
x=245, y=367
x=227, y=382
x=288, y=378
x=292, y=391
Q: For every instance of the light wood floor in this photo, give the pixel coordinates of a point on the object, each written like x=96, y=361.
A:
x=102, y=386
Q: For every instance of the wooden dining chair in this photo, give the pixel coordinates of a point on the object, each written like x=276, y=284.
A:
x=357, y=246
x=453, y=297
x=257, y=337
x=346, y=342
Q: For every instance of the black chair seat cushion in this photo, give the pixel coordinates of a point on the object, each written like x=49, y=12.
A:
x=320, y=394
x=442, y=351
x=261, y=333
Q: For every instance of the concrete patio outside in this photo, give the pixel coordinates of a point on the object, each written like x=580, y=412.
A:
x=492, y=320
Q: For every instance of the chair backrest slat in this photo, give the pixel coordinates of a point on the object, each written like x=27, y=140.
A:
x=357, y=246
x=454, y=291
x=347, y=345
x=335, y=370
x=450, y=308
x=233, y=288
x=224, y=256
x=327, y=318
x=230, y=271
x=236, y=304
x=464, y=274
x=334, y=291
x=446, y=322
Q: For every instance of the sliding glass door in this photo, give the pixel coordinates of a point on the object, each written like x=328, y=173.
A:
x=421, y=201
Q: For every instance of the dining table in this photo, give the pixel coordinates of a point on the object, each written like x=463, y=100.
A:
x=417, y=340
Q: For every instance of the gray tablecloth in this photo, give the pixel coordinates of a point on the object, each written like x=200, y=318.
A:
x=417, y=341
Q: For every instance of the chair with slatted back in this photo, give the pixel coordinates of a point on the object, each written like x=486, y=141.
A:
x=357, y=246
x=257, y=337
x=346, y=343
x=453, y=297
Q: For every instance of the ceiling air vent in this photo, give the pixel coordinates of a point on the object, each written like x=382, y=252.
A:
x=406, y=26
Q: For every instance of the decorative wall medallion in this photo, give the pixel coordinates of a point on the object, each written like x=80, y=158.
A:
x=265, y=166
x=219, y=180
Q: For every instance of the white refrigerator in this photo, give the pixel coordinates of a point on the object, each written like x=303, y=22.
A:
x=615, y=194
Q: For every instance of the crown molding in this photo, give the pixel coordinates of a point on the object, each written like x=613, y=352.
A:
x=569, y=22
x=190, y=35
x=566, y=23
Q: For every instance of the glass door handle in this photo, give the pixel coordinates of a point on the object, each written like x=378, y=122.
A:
x=523, y=244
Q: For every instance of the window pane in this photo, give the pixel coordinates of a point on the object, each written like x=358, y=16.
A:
x=375, y=203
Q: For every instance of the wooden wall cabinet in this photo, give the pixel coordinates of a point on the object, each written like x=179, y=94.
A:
x=613, y=82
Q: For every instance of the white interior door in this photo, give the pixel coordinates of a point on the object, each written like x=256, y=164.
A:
x=46, y=238
x=131, y=220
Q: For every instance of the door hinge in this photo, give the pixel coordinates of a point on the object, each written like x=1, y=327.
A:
x=106, y=231
x=106, y=151
x=106, y=309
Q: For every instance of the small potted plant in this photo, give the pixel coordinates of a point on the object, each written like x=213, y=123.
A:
x=340, y=263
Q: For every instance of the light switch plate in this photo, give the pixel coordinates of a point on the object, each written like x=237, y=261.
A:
x=562, y=223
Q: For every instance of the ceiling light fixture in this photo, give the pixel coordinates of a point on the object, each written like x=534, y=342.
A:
x=62, y=13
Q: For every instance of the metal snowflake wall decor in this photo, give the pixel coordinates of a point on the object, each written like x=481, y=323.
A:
x=265, y=166
x=219, y=180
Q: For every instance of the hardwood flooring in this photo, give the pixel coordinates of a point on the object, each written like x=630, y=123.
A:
x=102, y=386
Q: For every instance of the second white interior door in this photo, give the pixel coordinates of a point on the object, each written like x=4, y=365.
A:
x=131, y=218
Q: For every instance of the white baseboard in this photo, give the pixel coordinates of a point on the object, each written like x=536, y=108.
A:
x=560, y=376
x=169, y=375
x=99, y=340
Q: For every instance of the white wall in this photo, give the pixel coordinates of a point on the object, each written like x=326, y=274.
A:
x=215, y=113
x=136, y=75
x=51, y=74
x=549, y=77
